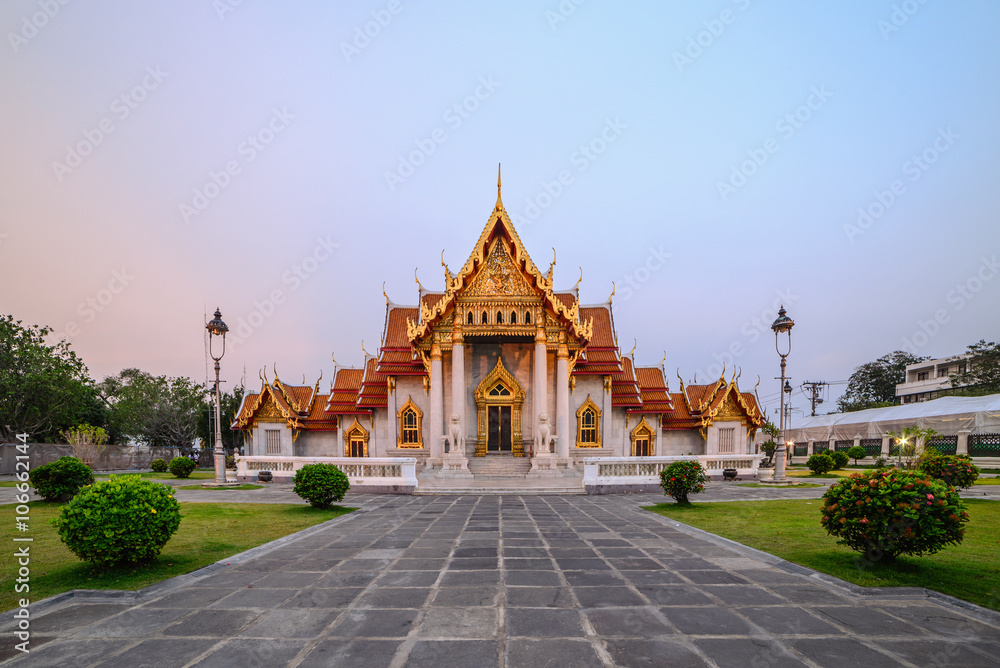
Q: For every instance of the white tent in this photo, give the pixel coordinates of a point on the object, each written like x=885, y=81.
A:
x=947, y=415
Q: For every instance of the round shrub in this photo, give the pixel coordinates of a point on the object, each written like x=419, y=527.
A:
x=889, y=512
x=182, y=467
x=62, y=479
x=820, y=463
x=954, y=470
x=321, y=484
x=126, y=520
x=840, y=459
x=683, y=478
x=857, y=452
x=158, y=465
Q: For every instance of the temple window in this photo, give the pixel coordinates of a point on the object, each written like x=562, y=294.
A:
x=356, y=441
x=470, y=320
x=499, y=318
x=588, y=425
x=513, y=317
x=527, y=317
x=409, y=417
x=499, y=390
x=272, y=441
x=485, y=318
x=727, y=440
x=642, y=440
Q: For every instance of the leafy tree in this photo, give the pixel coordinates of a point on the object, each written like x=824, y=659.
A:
x=229, y=405
x=873, y=385
x=88, y=443
x=43, y=388
x=857, y=452
x=154, y=410
x=982, y=370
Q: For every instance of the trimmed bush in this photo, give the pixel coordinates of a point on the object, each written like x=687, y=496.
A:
x=820, y=463
x=881, y=462
x=954, y=470
x=840, y=459
x=683, y=478
x=62, y=479
x=230, y=462
x=856, y=452
x=182, y=467
x=321, y=484
x=891, y=512
x=126, y=520
x=158, y=465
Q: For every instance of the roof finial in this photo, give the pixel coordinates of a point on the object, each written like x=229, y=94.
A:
x=612, y=292
x=385, y=294
x=363, y=351
x=577, y=286
x=499, y=206
x=419, y=287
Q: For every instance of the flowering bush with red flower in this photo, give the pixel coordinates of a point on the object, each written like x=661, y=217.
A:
x=884, y=513
x=954, y=470
x=683, y=478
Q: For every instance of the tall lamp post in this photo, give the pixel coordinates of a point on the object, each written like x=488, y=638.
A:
x=782, y=325
x=216, y=328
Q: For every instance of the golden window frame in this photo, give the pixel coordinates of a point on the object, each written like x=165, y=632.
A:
x=643, y=429
x=349, y=435
x=580, y=427
x=418, y=427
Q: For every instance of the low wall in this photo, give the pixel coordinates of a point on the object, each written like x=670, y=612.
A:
x=112, y=458
x=374, y=475
x=633, y=475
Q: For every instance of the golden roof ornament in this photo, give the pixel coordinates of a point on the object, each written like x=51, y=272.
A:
x=499, y=206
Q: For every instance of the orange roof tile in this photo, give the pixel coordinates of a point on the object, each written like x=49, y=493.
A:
x=624, y=389
x=653, y=390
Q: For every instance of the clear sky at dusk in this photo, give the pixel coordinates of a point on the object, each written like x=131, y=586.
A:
x=713, y=160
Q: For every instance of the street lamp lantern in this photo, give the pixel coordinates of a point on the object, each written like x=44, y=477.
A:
x=217, y=328
x=782, y=326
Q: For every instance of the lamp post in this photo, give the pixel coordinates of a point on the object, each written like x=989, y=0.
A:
x=782, y=325
x=215, y=328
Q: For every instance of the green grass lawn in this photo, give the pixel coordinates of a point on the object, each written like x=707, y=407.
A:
x=791, y=530
x=757, y=484
x=233, y=487
x=166, y=475
x=208, y=532
x=806, y=473
x=988, y=481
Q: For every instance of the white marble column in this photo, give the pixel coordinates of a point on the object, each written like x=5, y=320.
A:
x=562, y=400
x=436, y=428
x=458, y=382
x=540, y=400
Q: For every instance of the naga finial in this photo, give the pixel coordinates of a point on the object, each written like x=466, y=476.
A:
x=385, y=294
x=611, y=296
x=419, y=287
x=578, y=281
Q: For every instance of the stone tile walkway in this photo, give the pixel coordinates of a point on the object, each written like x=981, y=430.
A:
x=510, y=581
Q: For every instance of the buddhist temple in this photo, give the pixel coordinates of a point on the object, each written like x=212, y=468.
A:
x=498, y=370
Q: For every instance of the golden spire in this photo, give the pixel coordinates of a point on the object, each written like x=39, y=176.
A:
x=499, y=206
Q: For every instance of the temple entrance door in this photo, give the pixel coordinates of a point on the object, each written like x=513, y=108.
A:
x=498, y=438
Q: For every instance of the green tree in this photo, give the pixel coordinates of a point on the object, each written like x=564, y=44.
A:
x=982, y=369
x=153, y=410
x=873, y=385
x=43, y=388
x=229, y=405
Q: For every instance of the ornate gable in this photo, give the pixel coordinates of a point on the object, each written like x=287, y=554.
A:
x=499, y=277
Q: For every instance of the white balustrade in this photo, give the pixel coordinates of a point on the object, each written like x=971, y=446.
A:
x=361, y=471
x=646, y=470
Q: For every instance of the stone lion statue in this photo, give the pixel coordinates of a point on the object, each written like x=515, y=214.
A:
x=455, y=435
x=543, y=440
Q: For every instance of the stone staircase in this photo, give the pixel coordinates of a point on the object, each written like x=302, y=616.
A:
x=500, y=474
x=499, y=466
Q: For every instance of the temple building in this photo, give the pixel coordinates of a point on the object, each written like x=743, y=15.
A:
x=498, y=368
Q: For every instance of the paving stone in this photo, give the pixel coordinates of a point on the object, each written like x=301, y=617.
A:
x=394, y=597
x=251, y=652
x=605, y=597
x=454, y=654
x=459, y=623
x=593, y=578
x=540, y=597
x=578, y=564
x=652, y=577
x=475, y=552
x=73, y=652
x=485, y=595
x=528, y=564
x=743, y=652
x=533, y=653
x=194, y=597
x=473, y=564
x=254, y=598
x=742, y=594
x=542, y=622
x=940, y=655
x=376, y=623
x=291, y=623
x=841, y=653
x=707, y=620
x=464, y=578
x=941, y=621
x=408, y=579
x=629, y=653
x=630, y=622
x=867, y=621
x=74, y=617
x=360, y=653
x=160, y=653
x=713, y=577
x=532, y=578
x=509, y=552
x=220, y=623
x=345, y=579
x=432, y=565
x=228, y=579
x=136, y=623
x=788, y=620
x=809, y=594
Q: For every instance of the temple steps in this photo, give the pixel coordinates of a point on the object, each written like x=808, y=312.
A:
x=494, y=466
x=499, y=474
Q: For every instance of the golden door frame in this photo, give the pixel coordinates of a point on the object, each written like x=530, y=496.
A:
x=515, y=401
